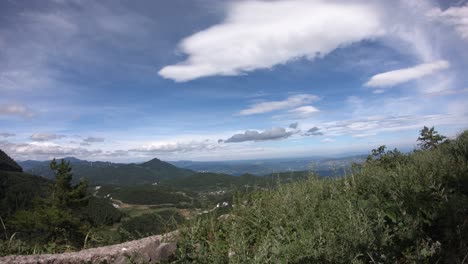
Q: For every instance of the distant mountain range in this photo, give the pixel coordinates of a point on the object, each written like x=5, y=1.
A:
x=179, y=173
x=320, y=165
x=99, y=172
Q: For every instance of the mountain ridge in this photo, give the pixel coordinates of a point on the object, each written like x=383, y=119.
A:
x=8, y=164
x=103, y=172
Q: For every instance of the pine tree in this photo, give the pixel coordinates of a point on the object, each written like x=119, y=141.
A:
x=66, y=195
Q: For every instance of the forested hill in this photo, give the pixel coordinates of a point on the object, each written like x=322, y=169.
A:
x=17, y=189
x=8, y=164
x=99, y=172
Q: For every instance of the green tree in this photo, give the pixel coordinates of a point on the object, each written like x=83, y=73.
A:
x=387, y=159
x=377, y=153
x=429, y=138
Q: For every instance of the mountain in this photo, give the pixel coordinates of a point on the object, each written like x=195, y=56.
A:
x=8, y=164
x=99, y=172
x=165, y=169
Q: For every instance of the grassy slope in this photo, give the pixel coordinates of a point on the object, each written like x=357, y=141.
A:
x=408, y=209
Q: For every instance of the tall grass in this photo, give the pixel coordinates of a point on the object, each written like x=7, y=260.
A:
x=398, y=208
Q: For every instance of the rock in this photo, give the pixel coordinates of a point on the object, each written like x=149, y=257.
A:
x=147, y=250
x=166, y=250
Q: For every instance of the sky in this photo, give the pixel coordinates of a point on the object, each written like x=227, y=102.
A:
x=128, y=81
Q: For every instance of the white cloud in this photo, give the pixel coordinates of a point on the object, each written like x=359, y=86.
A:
x=16, y=110
x=328, y=140
x=395, y=77
x=44, y=150
x=261, y=34
x=454, y=16
x=45, y=136
x=290, y=102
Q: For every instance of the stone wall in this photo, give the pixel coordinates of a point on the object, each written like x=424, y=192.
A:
x=151, y=249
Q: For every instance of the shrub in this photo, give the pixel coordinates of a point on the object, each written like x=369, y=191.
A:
x=151, y=224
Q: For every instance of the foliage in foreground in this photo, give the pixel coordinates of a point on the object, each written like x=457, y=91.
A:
x=395, y=208
x=43, y=216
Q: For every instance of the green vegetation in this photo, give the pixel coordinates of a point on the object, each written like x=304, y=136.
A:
x=152, y=224
x=207, y=181
x=100, y=212
x=145, y=194
x=395, y=208
x=18, y=190
x=39, y=215
x=51, y=223
x=52, y=216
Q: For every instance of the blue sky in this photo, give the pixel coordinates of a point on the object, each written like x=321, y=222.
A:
x=219, y=80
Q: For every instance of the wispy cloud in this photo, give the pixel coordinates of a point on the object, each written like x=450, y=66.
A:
x=270, y=106
x=392, y=78
x=374, y=125
x=454, y=16
x=447, y=92
x=45, y=136
x=261, y=34
x=303, y=111
x=5, y=134
x=16, y=110
x=364, y=135
x=93, y=139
